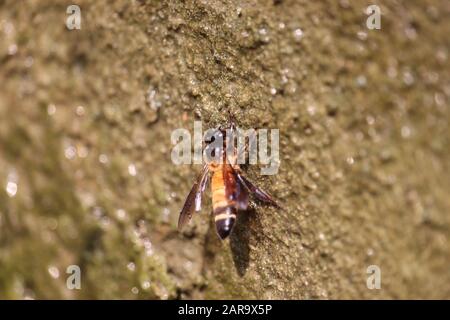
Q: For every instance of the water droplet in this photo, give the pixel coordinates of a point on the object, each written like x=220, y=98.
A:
x=11, y=188
x=361, y=81
x=152, y=99
x=53, y=271
x=131, y=266
x=311, y=109
x=148, y=246
x=70, y=152
x=135, y=290
x=103, y=158
x=362, y=35
x=145, y=285
x=408, y=78
x=80, y=111
x=87, y=199
x=161, y=291
x=132, y=169
x=406, y=132
x=165, y=214
x=12, y=49
x=298, y=34
x=51, y=109
x=121, y=214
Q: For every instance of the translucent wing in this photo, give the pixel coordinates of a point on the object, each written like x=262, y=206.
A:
x=194, y=198
x=235, y=190
x=257, y=192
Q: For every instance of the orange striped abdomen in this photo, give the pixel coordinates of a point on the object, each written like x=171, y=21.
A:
x=218, y=189
x=224, y=210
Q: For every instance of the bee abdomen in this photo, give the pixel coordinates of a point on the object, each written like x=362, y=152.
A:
x=224, y=218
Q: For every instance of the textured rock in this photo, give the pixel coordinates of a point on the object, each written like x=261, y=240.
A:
x=85, y=123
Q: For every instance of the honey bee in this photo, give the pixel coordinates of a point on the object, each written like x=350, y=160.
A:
x=229, y=188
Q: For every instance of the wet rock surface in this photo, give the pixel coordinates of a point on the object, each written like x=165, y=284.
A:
x=87, y=179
